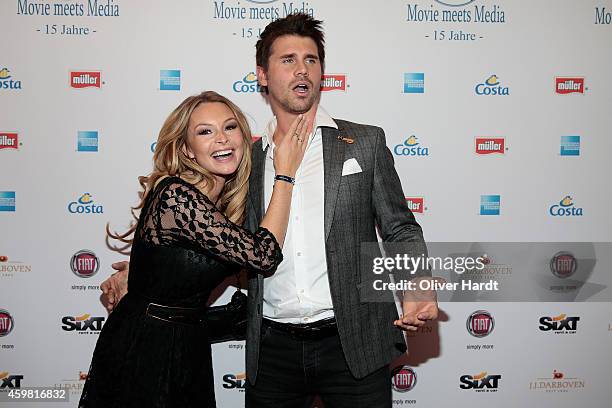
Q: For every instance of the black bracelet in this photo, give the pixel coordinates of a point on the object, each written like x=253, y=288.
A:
x=284, y=178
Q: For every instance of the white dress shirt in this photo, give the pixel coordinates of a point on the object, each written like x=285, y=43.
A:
x=298, y=292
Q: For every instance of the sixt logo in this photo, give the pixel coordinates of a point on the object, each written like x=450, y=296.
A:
x=489, y=145
x=492, y=87
x=411, y=147
x=231, y=381
x=248, y=84
x=7, y=81
x=561, y=324
x=85, y=79
x=82, y=324
x=9, y=140
x=416, y=204
x=10, y=381
x=85, y=205
x=565, y=208
x=568, y=85
x=333, y=82
x=482, y=382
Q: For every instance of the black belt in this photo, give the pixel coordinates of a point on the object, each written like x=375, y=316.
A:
x=172, y=314
x=175, y=314
x=310, y=331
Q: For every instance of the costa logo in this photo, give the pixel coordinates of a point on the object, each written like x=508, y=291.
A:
x=565, y=208
x=411, y=147
x=489, y=145
x=491, y=86
x=455, y=3
x=248, y=84
x=480, y=323
x=563, y=264
x=84, y=263
x=568, y=85
x=6, y=323
x=85, y=205
x=403, y=379
x=85, y=79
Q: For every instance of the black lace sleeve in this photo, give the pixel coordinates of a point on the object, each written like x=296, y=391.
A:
x=180, y=214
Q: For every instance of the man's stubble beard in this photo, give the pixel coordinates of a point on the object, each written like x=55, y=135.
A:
x=298, y=106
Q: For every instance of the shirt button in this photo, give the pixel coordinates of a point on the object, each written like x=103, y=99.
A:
x=299, y=254
x=306, y=319
x=302, y=291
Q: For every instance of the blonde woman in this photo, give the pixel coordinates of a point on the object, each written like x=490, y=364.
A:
x=153, y=350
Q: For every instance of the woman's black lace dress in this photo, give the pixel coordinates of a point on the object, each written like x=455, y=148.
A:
x=183, y=248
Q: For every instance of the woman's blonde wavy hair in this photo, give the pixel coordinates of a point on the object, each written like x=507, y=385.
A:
x=169, y=159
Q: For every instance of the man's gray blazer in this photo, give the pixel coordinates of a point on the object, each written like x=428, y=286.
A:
x=354, y=205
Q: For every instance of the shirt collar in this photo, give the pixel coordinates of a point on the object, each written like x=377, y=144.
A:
x=322, y=119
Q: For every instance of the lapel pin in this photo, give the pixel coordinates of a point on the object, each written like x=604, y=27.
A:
x=346, y=139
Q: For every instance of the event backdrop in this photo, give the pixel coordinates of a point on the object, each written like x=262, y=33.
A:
x=497, y=113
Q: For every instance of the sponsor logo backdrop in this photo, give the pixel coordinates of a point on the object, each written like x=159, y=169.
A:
x=496, y=113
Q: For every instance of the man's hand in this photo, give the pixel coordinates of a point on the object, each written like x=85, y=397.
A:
x=418, y=306
x=115, y=287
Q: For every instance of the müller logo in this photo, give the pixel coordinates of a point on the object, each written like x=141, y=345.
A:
x=85, y=79
x=9, y=140
x=489, y=145
x=416, y=204
x=333, y=82
x=568, y=85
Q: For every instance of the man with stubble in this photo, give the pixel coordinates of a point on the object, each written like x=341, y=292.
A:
x=309, y=332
